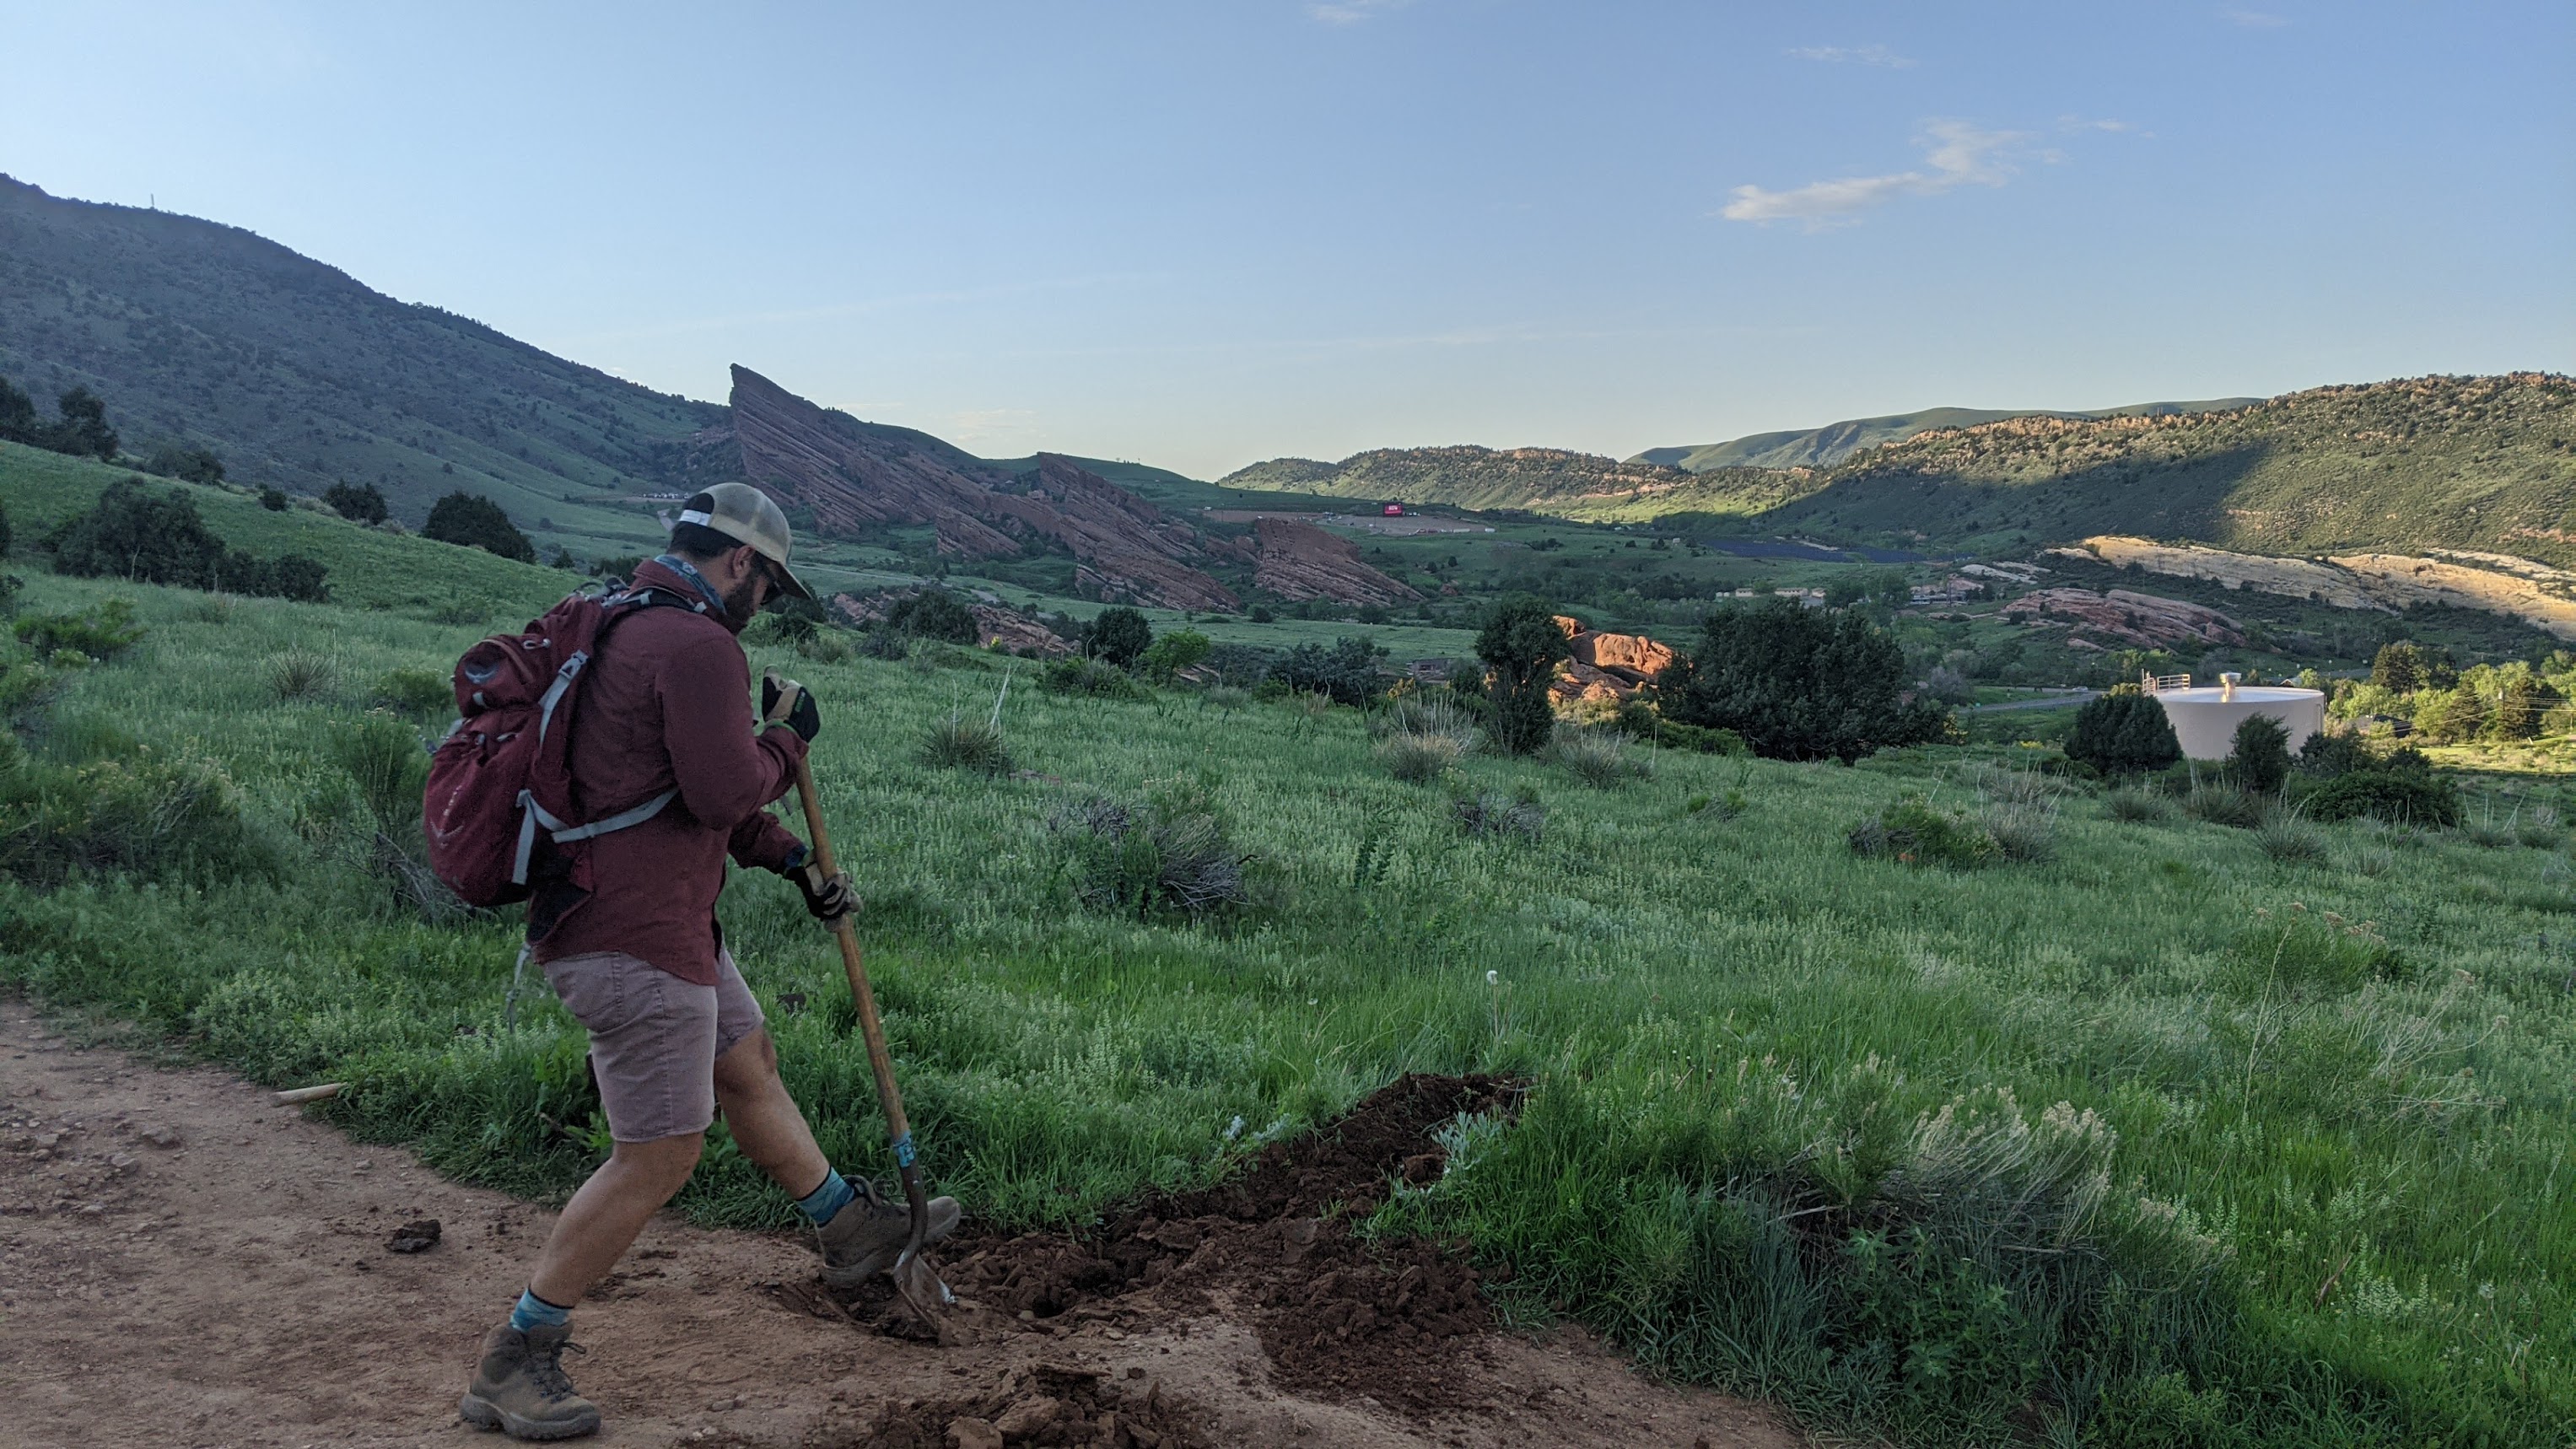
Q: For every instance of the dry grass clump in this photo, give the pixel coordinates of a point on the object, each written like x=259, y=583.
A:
x=2288, y=839
x=1491, y=813
x=1171, y=857
x=959, y=741
x=1418, y=759
x=2137, y=807
x=2539, y=828
x=1600, y=760
x=2224, y=805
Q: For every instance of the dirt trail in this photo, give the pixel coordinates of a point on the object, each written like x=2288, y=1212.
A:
x=183, y=1263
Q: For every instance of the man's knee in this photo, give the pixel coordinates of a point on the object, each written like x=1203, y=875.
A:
x=748, y=1064
x=665, y=1163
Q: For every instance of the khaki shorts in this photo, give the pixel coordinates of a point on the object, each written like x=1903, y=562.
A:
x=654, y=1038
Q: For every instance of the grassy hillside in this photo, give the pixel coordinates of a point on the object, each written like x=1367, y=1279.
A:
x=1462, y=477
x=2472, y=463
x=370, y=568
x=1824, y=447
x=296, y=374
x=2157, y=1138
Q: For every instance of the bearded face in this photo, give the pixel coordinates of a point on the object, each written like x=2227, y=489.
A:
x=742, y=601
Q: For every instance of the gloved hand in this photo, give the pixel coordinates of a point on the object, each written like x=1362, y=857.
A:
x=784, y=701
x=828, y=897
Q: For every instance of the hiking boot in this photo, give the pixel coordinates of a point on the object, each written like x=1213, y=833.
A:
x=520, y=1388
x=865, y=1237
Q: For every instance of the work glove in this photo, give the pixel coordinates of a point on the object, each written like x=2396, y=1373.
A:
x=784, y=701
x=828, y=897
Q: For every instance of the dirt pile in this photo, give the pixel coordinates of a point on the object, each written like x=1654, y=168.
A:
x=1043, y=1404
x=1300, y=561
x=1334, y=1313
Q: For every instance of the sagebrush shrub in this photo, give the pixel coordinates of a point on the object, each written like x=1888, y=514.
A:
x=1090, y=679
x=1168, y=857
x=1915, y=833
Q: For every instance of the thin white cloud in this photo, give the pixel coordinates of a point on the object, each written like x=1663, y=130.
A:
x=1352, y=12
x=2253, y=19
x=1878, y=55
x=1955, y=154
x=2079, y=123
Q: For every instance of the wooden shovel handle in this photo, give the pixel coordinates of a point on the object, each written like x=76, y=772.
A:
x=898, y=1130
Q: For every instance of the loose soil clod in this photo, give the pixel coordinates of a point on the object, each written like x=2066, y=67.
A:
x=1334, y=1313
x=1044, y=1405
x=414, y=1237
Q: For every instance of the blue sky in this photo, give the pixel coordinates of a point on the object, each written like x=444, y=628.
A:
x=1201, y=234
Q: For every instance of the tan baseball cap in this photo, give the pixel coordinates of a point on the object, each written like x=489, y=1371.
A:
x=747, y=515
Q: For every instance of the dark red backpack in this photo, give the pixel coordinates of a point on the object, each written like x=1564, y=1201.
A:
x=504, y=771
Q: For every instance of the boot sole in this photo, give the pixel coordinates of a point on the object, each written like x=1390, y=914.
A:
x=484, y=1414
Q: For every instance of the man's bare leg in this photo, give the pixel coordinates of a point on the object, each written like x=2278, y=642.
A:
x=600, y=1223
x=766, y=1122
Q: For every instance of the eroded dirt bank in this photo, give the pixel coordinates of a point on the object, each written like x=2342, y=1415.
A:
x=183, y=1263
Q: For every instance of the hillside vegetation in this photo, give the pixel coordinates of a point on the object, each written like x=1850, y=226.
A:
x=1826, y=446
x=2147, y=1135
x=297, y=375
x=2476, y=463
x=1461, y=476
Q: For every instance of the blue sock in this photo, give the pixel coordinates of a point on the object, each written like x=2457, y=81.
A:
x=535, y=1312
x=819, y=1205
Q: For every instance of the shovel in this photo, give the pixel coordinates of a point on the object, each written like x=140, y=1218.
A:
x=915, y=1283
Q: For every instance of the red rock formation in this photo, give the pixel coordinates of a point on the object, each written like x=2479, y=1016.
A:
x=853, y=474
x=1301, y=561
x=2141, y=619
x=1606, y=666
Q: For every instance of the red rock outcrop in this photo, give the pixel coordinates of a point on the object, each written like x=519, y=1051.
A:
x=1301, y=561
x=1606, y=666
x=852, y=474
x=2134, y=618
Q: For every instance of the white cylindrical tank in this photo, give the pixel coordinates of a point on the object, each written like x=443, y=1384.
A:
x=2205, y=720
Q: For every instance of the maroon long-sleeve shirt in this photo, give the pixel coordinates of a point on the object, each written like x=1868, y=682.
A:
x=666, y=702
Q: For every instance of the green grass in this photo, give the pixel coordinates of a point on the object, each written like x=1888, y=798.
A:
x=369, y=569
x=2328, y=1201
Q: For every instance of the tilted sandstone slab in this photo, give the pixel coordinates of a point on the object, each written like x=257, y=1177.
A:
x=2294, y=578
x=2397, y=580
x=2136, y=618
x=1301, y=561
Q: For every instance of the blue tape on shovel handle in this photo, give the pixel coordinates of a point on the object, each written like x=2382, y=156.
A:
x=903, y=1153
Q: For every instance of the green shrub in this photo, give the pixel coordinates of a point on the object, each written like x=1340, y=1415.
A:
x=1168, y=857
x=156, y=816
x=959, y=741
x=891, y=644
x=385, y=761
x=1494, y=814
x=2287, y=838
x=1915, y=833
x=1173, y=652
x=273, y=499
x=1346, y=673
x=1118, y=635
x=2389, y=795
x=1520, y=646
x=416, y=691
x=1799, y=684
x=1090, y=679
x=102, y=631
x=2137, y=807
x=469, y=520
x=2123, y=733
x=2300, y=952
x=2259, y=758
x=4, y=533
x=936, y=613
x=2539, y=828
x=358, y=504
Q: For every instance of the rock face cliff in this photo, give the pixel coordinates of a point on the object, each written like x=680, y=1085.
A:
x=2131, y=618
x=1301, y=561
x=1606, y=667
x=852, y=475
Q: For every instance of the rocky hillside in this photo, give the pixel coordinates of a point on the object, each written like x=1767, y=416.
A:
x=1826, y=446
x=848, y=475
x=1463, y=477
x=296, y=374
x=2481, y=463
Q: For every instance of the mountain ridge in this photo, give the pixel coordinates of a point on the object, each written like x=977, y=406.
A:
x=1827, y=446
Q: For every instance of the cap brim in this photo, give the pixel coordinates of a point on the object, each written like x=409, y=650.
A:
x=787, y=576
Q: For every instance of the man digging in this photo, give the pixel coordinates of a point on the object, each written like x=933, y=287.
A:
x=624, y=925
